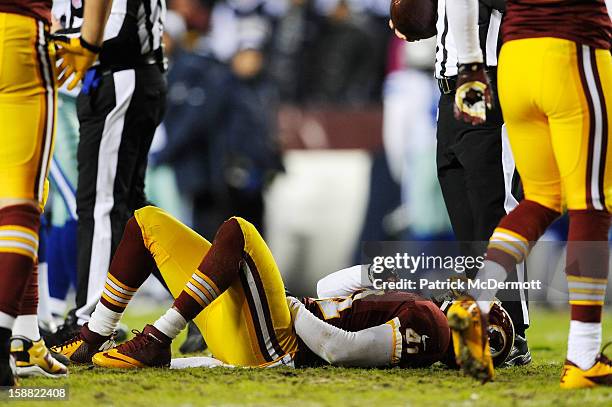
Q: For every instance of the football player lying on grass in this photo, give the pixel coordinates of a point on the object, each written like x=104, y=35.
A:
x=234, y=292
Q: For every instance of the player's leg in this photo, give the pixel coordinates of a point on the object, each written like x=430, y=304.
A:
x=148, y=238
x=27, y=100
x=584, y=118
x=27, y=347
x=262, y=333
x=151, y=238
x=512, y=239
x=451, y=174
x=245, y=318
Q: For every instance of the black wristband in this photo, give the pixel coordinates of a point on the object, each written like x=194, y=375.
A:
x=90, y=47
x=472, y=67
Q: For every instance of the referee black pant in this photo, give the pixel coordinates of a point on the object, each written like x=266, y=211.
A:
x=117, y=123
x=471, y=175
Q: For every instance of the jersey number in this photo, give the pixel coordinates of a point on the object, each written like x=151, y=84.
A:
x=413, y=338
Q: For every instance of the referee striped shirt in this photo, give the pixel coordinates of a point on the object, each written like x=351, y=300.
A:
x=489, y=21
x=134, y=29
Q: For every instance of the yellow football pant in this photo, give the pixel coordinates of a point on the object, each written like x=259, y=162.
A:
x=27, y=107
x=556, y=96
x=247, y=325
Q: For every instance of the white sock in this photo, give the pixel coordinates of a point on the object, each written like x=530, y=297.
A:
x=6, y=321
x=171, y=323
x=104, y=321
x=491, y=270
x=27, y=325
x=583, y=343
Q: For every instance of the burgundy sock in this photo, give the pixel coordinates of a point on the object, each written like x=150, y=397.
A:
x=19, y=250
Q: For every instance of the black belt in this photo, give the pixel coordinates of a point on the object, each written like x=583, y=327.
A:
x=145, y=61
x=447, y=85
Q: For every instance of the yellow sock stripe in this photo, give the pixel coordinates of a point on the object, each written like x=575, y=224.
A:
x=17, y=250
x=202, y=289
x=195, y=296
x=117, y=293
x=21, y=240
x=19, y=229
x=112, y=301
x=19, y=234
x=120, y=284
x=17, y=243
x=580, y=279
x=585, y=302
x=587, y=291
x=494, y=245
x=209, y=281
x=513, y=243
x=511, y=233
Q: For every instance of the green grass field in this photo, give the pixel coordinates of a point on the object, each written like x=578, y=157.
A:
x=535, y=385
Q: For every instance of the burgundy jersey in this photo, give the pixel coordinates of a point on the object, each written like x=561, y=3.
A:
x=424, y=328
x=583, y=21
x=39, y=9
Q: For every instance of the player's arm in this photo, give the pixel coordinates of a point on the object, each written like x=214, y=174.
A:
x=346, y=281
x=378, y=346
x=343, y=282
x=77, y=55
x=473, y=94
x=95, y=16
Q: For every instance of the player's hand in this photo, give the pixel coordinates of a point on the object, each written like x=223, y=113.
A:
x=294, y=306
x=399, y=34
x=474, y=95
x=75, y=56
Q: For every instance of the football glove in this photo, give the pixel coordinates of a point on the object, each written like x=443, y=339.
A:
x=76, y=56
x=473, y=95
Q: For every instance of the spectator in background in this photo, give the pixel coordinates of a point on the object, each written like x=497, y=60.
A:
x=220, y=124
x=410, y=96
x=293, y=34
x=252, y=151
x=198, y=106
x=341, y=68
x=161, y=185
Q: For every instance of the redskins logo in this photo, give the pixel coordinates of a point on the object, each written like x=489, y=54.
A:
x=501, y=334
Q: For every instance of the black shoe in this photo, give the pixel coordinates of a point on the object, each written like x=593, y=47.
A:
x=519, y=355
x=194, y=342
x=8, y=378
x=64, y=332
x=121, y=333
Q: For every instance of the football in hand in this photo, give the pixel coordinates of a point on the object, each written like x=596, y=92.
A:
x=416, y=19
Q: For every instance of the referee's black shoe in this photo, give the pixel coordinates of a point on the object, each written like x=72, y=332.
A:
x=194, y=342
x=7, y=363
x=64, y=332
x=520, y=354
x=7, y=373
